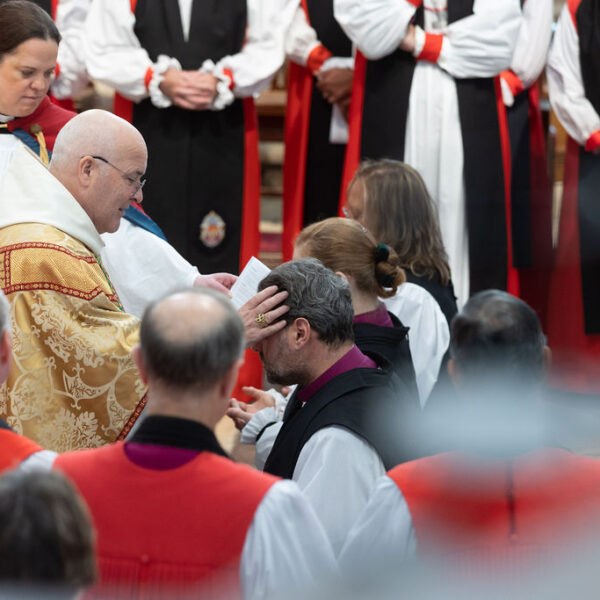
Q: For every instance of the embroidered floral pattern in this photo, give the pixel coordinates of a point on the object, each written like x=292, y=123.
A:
x=73, y=383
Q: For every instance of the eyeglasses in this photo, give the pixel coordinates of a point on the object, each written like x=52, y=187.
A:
x=134, y=182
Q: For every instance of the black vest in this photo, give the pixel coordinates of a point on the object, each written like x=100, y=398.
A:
x=370, y=403
x=588, y=28
x=195, y=158
x=392, y=344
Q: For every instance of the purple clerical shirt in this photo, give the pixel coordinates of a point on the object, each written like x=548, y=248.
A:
x=380, y=316
x=160, y=458
x=353, y=359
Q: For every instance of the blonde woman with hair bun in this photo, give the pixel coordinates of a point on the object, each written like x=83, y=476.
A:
x=372, y=272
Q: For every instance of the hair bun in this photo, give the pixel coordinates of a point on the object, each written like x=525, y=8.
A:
x=382, y=253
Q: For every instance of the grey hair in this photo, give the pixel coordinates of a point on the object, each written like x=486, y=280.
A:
x=4, y=313
x=497, y=335
x=183, y=353
x=318, y=295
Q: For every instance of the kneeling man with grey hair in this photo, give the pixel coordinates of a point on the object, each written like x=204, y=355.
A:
x=347, y=421
x=173, y=514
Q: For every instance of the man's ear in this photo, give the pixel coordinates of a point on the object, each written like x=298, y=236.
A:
x=139, y=361
x=85, y=170
x=301, y=331
x=342, y=275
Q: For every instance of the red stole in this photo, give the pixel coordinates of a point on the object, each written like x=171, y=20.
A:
x=165, y=533
x=14, y=449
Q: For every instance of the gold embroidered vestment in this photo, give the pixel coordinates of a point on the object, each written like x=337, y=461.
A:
x=73, y=383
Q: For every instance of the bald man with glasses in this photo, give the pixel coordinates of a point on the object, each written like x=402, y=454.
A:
x=73, y=383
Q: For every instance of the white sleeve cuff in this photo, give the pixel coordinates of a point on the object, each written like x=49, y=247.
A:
x=338, y=62
x=163, y=63
x=419, y=41
x=257, y=423
x=224, y=95
x=507, y=95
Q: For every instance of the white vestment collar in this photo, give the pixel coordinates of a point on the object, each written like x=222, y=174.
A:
x=29, y=193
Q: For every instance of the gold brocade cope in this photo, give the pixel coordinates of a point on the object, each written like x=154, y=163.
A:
x=73, y=383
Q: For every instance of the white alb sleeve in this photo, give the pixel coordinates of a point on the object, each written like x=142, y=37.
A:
x=482, y=44
x=264, y=49
x=565, y=84
x=143, y=267
x=376, y=26
x=533, y=42
x=286, y=552
x=337, y=469
x=301, y=38
x=70, y=21
x=113, y=54
x=382, y=535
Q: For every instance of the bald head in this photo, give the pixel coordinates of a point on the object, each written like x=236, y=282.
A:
x=96, y=132
x=191, y=338
x=101, y=159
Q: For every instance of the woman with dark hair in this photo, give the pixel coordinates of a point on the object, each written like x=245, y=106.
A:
x=28, y=50
x=391, y=200
x=372, y=272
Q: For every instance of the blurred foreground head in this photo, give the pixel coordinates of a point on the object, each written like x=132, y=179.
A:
x=46, y=537
x=498, y=365
x=497, y=340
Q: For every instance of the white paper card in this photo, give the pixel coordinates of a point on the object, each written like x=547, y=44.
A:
x=246, y=285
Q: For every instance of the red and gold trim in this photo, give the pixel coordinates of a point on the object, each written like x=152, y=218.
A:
x=133, y=418
x=432, y=47
x=11, y=287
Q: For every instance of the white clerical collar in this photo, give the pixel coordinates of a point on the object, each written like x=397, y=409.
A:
x=29, y=193
x=5, y=118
